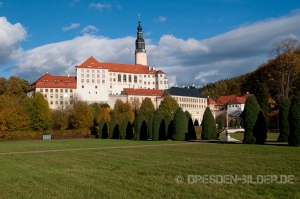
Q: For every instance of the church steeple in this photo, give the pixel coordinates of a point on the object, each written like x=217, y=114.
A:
x=140, y=51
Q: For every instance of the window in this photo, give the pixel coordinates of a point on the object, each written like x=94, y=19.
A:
x=144, y=82
x=160, y=75
x=71, y=95
x=87, y=75
x=98, y=76
x=103, y=81
x=93, y=81
x=71, y=91
x=56, y=95
x=114, y=79
x=51, y=102
x=56, y=90
x=98, y=71
x=66, y=102
x=61, y=95
x=56, y=102
x=92, y=71
x=66, y=90
x=110, y=79
x=144, y=75
x=82, y=80
x=82, y=70
x=87, y=71
x=61, y=90
x=124, y=78
x=135, y=78
x=103, y=75
x=148, y=82
x=82, y=86
x=153, y=83
x=114, y=74
x=98, y=80
x=109, y=74
x=93, y=76
x=160, y=82
x=96, y=86
x=129, y=78
x=61, y=102
x=87, y=80
x=46, y=90
x=140, y=81
x=82, y=75
x=119, y=78
x=41, y=90
x=103, y=71
x=51, y=95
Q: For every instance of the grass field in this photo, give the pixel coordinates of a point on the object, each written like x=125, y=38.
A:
x=160, y=171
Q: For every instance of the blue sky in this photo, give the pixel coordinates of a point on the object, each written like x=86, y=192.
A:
x=192, y=41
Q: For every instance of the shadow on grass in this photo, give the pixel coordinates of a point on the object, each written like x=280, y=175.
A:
x=271, y=142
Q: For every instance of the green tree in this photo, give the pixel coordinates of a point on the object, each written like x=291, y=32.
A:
x=196, y=123
x=157, y=122
x=125, y=128
x=284, y=128
x=294, y=121
x=180, y=126
x=191, y=128
x=147, y=108
x=209, y=130
x=81, y=115
x=168, y=126
x=150, y=125
x=250, y=116
x=114, y=128
x=260, y=129
x=40, y=114
x=168, y=105
x=140, y=128
x=103, y=129
x=221, y=125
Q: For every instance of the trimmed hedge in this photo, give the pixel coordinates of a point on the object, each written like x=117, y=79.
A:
x=294, y=121
x=209, y=130
x=284, y=128
x=180, y=126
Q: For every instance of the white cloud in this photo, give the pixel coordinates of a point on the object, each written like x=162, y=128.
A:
x=162, y=19
x=119, y=7
x=89, y=30
x=1, y=4
x=99, y=6
x=185, y=61
x=72, y=26
x=74, y=1
x=11, y=35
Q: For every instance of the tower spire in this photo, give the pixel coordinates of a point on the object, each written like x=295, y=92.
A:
x=140, y=51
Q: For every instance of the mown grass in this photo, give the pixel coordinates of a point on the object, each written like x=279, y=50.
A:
x=145, y=172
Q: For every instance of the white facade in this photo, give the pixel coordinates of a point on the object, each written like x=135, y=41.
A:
x=235, y=110
x=141, y=58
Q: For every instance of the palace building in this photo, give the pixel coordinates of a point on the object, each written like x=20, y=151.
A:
x=98, y=81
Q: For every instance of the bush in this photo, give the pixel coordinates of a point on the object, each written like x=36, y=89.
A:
x=209, y=130
x=294, y=121
x=283, y=119
x=168, y=126
x=196, y=123
x=180, y=126
x=260, y=129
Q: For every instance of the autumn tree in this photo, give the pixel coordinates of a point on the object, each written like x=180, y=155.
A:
x=209, y=130
x=180, y=126
x=60, y=119
x=147, y=108
x=40, y=114
x=168, y=105
x=16, y=86
x=286, y=54
x=122, y=109
x=81, y=115
x=3, y=85
x=284, y=128
x=104, y=113
x=294, y=121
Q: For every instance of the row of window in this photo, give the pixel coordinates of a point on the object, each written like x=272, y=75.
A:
x=92, y=80
x=60, y=102
x=92, y=71
x=192, y=100
x=192, y=106
x=56, y=90
x=93, y=76
x=56, y=95
x=233, y=106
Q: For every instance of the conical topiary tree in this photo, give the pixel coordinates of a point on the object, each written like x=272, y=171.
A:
x=250, y=115
x=157, y=120
x=191, y=128
x=124, y=126
x=150, y=125
x=113, y=128
x=196, y=123
x=260, y=129
x=284, y=128
x=140, y=128
x=294, y=121
x=209, y=130
x=180, y=126
x=168, y=128
x=102, y=129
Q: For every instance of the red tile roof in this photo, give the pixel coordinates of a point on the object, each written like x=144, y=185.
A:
x=238, y=100
x=50, y=81
x=146, y=92
x=225, y=99
x=210, y=101
x=117, y=67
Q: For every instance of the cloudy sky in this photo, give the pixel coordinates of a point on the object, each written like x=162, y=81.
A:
x=192, y=41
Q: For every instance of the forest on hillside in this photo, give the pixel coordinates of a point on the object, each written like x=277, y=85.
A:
x=270, y=83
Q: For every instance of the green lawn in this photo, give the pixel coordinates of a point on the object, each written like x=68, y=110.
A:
x=144, y=172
